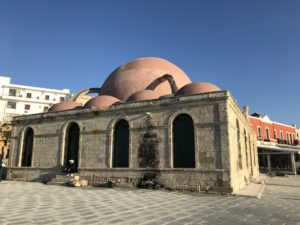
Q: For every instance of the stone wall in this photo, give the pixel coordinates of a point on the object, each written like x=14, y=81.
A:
x=244, y=167
x=5, y=133
x=150, y=143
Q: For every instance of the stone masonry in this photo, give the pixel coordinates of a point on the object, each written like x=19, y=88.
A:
x=225, y=155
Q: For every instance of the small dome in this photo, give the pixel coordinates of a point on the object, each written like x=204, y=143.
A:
x=102, y=101
x=65, y=105
x=197, y=88
x=139, y=75
x=143, y=95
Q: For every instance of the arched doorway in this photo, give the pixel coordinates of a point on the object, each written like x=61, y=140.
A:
x=27, y=147
x=183, y=142
x=72, y=144
x=121, y=144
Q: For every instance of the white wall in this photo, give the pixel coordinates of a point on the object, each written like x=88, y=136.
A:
x=37, y=101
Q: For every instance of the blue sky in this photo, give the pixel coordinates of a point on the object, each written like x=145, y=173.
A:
x=251, y=47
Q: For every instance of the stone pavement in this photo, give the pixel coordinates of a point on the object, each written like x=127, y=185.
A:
x=36, y=203
x=256, y=188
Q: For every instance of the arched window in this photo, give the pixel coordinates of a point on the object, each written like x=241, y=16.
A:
x=238, y=136
x=246, y=148
x=27, y=148
x=251, y=155
x=183, y=142
x=72, y=143
x=254, y=150
x=121, y=144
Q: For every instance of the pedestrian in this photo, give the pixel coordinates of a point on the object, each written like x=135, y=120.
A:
x=71, y=167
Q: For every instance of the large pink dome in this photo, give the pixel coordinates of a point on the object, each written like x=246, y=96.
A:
x=139, y=74
x=197, y=88
x=65, y=105
x=102, y=101
x=143, y=95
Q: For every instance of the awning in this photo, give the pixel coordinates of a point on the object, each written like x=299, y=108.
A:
x=278, y=147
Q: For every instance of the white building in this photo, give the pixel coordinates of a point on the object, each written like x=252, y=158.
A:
x=17, y=100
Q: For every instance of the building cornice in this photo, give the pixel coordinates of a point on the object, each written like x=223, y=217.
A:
x=272, y=122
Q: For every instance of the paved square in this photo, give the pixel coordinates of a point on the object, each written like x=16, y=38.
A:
x=36, y=203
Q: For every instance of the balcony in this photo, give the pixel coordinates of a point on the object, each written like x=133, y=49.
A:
x=281, y=141
x=296, y=143
x=259, y=138
x=285, y=142
x=22, y=98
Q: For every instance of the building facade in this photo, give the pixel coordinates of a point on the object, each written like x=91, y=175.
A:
x=17, y=100
x=184, y=136
x=277, y=143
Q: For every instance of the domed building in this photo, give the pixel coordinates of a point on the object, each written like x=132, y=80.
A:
x=149, y=122
x=143, y=74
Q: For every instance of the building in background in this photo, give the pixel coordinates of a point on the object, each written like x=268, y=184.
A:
x=17, y=100
x=277, y=144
